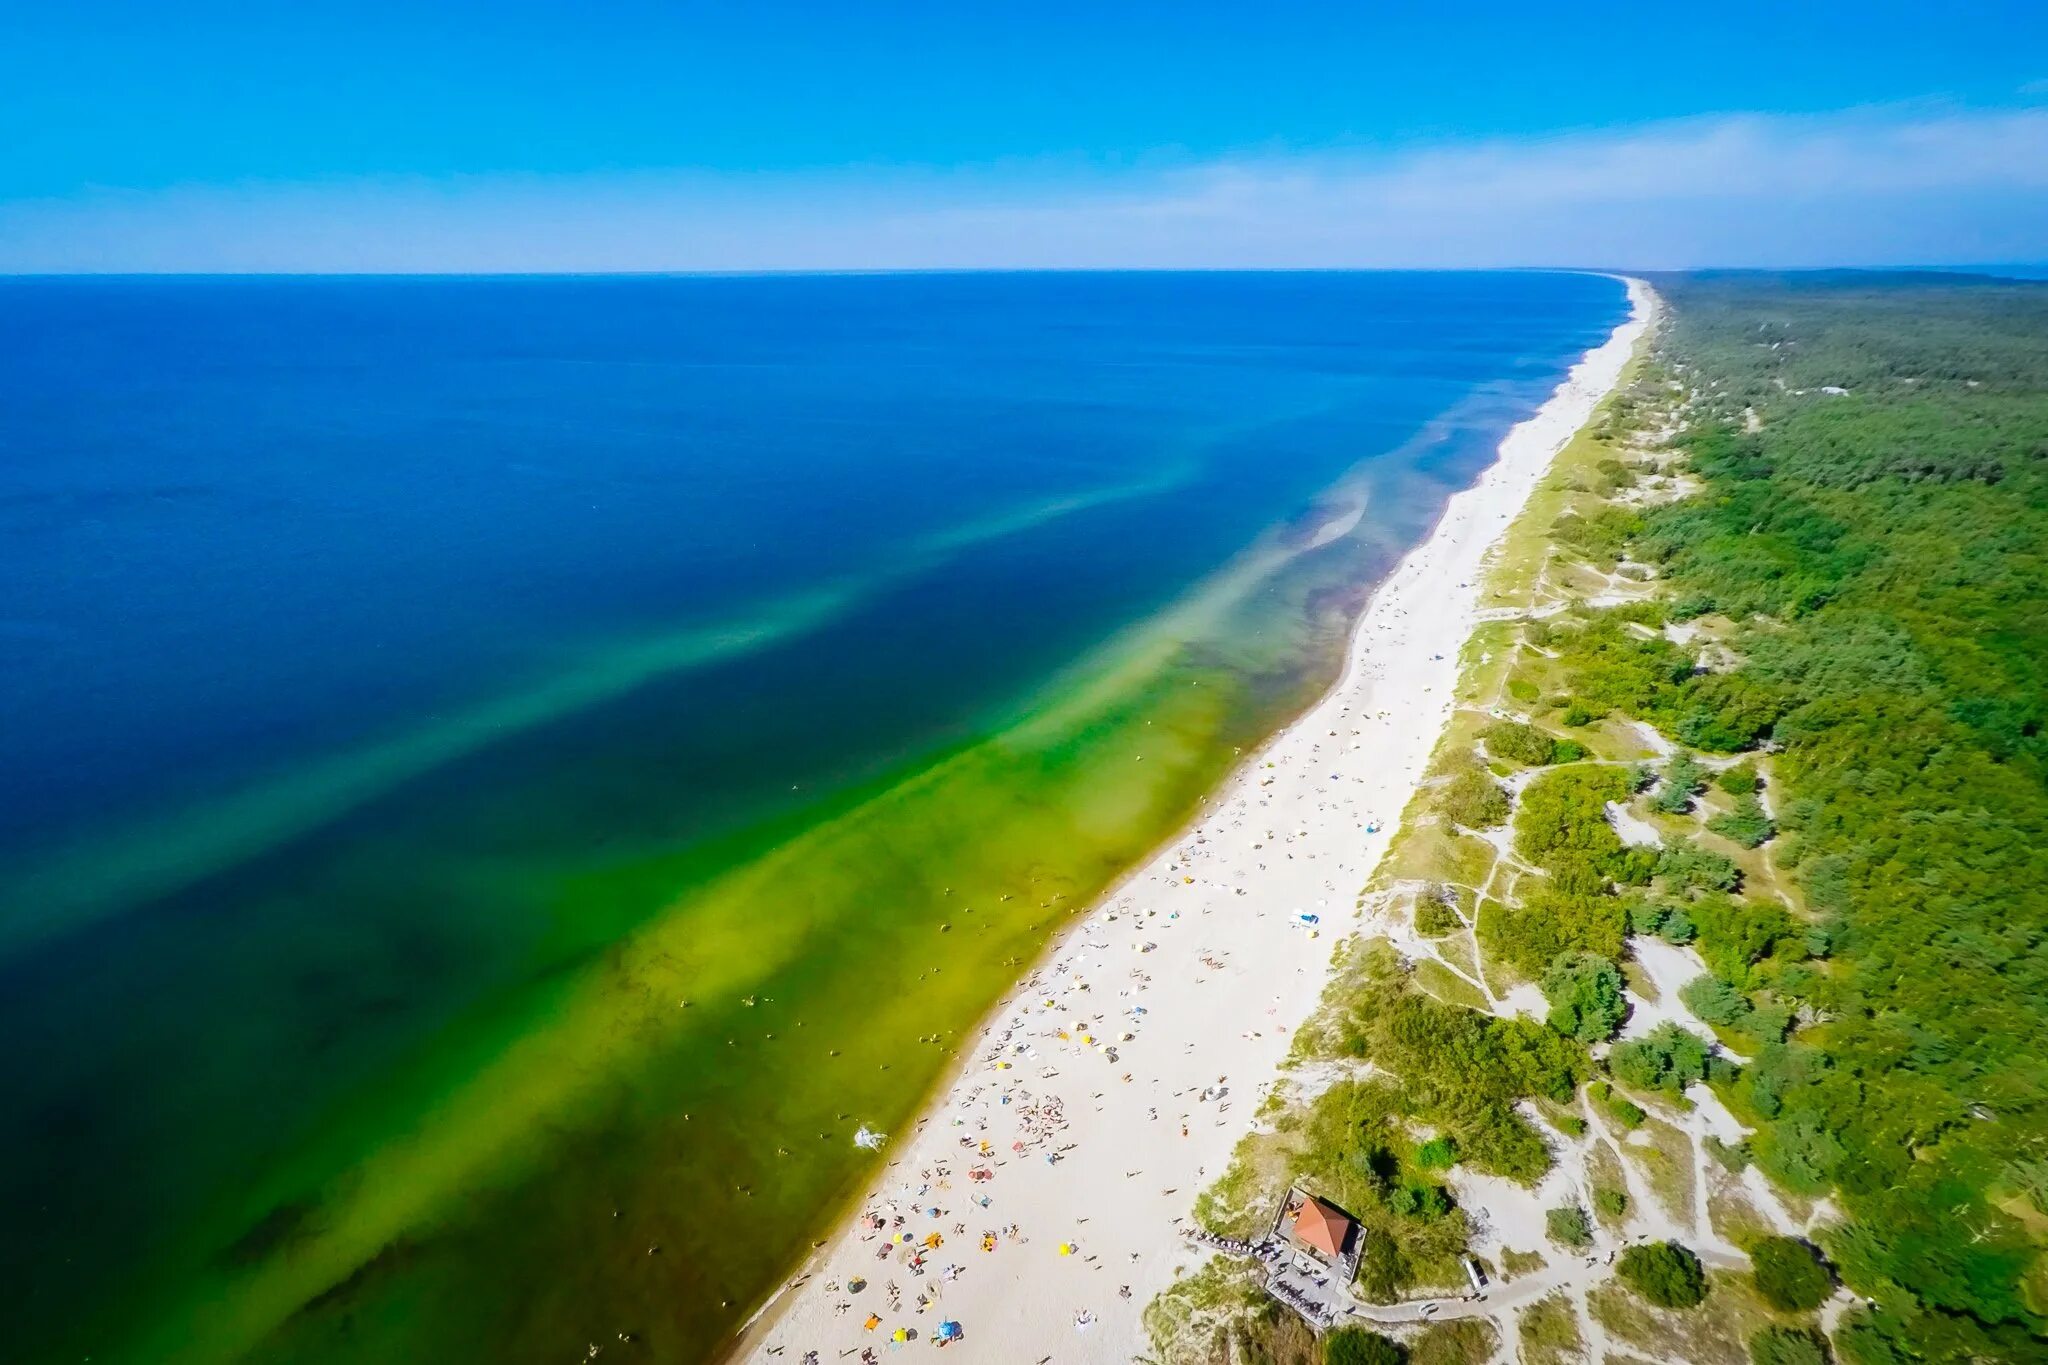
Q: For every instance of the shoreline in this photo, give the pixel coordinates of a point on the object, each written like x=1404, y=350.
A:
x=1020, y=1139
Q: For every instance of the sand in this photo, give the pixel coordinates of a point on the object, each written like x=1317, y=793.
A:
x=1057, y=1170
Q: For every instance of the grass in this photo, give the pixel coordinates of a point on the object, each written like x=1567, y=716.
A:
x=1604, y=1171
x=1731, y=1213
x=1666, y=1160
x=1446, y=985
x=1548, y=1330
x=1715, y=1333
x=1468, y=1341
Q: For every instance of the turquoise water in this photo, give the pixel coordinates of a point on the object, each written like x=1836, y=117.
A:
x=402, y=675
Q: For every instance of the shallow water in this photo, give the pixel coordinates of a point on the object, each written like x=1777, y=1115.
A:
x=437, y=708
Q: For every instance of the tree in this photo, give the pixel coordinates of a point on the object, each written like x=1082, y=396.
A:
x=1688, y=867
x=1435, y=916
x=1683, y=776
x=1740, y=780
x=1568, y=1226
x=1586, y=998
x=1474, y=800
x=1715, y=1001
x=1665, y=1273
x=1746, y=824
x=1787, y=1346
x=1356, y=1346
x=1515, y=742
x=1670, y=1058
x=1789, y=1274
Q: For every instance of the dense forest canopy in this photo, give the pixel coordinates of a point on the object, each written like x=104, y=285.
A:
x=1874, y=451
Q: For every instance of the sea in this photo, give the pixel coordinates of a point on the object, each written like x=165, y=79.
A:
x=502, y=778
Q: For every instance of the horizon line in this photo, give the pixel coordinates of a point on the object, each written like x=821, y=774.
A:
x=1984, y=269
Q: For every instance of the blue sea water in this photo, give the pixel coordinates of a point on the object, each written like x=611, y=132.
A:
x=252, y=524
x=577, y=566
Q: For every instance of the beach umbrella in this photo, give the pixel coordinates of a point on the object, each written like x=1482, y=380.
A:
x=1068, y=1248
x=949, y=1331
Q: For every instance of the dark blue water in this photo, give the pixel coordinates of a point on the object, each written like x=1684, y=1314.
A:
x=344, y=623
x=245, y=524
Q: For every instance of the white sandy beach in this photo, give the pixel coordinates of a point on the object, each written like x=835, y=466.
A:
x=1112, y=1084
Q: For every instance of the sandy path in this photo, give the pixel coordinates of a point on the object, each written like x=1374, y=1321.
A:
x=1099, y=1142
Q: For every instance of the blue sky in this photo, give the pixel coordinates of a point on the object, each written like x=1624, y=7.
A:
x=626, y=135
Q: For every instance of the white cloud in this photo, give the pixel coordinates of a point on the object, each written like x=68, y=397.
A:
x=1901, y=184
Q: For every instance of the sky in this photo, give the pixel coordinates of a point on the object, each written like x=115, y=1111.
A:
x=623, y=135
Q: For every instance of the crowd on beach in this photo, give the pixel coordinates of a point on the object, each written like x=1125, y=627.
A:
x=1064, y=1041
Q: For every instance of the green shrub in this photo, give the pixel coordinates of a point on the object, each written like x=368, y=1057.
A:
x=1740, y=780
x=1746, y=824
x=1665, y=1273
x=1522, y=690
x=1670, y=1058
x=1529, y=937
x=1565, y=813
x=1585, y=995
x=1611, y=1202
x=1619, y=1107
x=1733, y=1156
x=1789, y=1274
x=1568, y=1226
x=1787, y=1346
x=1474, y=800
x=1715, y=1001
x=1683, y=778
x=1356, y=1346
x=1515, y=742
x=1439, y=1153
x=1435, y=917
x=1685, y=866
x=1420, y=1201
